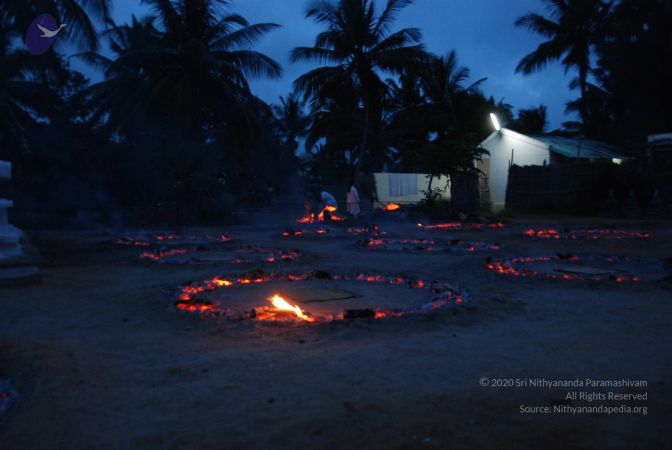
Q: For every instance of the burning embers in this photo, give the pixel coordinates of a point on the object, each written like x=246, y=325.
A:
x=250, y=254
x=585, y=233
x=330, y=213
x=333, y=232
x=426, y=245
x=392, y=207
x=458, y=226
x=282, y=308
x=585, y=267
x=254, y=254
x=148, y=240
x=161, y=255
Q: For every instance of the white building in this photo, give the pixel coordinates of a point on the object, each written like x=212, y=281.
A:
x=507, y=147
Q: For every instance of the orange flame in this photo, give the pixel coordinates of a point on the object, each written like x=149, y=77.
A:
x=392, y=207
x=311, y=218
x=280, y=303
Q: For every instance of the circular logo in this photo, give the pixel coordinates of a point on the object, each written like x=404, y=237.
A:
x=41, y=34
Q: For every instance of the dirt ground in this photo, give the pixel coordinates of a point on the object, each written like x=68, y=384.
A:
x=103, y=360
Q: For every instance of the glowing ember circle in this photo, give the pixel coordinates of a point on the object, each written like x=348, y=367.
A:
x=322, y=231
x=585, y=233
x=620, y=269
x=426, y=245
x=461, y=226
x=148, y=239
x=251, y=254
x=283, y=305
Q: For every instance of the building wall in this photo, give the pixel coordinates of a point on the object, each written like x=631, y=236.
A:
x=383, y=189
x=508, y=147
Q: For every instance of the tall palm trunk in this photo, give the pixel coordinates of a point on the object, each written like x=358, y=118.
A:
x=583, y=87
x=358, y=174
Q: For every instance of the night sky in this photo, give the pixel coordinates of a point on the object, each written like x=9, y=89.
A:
x=481, y=31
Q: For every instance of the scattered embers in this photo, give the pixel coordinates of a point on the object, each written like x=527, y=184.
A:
x=284, y=310
x=620, y=269
x=333, y=232
x=585, y=233
x=426, y=245
x=149, y=240
x=8, y=396
x=462, y=226
x=251, y=254
x=314, y=232
x=132, y=242
x=330, y=210
x=163, y=254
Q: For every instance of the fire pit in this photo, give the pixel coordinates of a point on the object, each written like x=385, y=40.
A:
x=585, y=233
x=312, y=218
x=461, y=226
x=580, y=267
x=426, y=245
x=251, y=254
x=315, y=296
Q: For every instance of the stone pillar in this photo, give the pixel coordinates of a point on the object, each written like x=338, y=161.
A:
x=10, y=236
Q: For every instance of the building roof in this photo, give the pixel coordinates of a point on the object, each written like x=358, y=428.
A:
x=562, y=145
x=585, y=148
x=660, y=140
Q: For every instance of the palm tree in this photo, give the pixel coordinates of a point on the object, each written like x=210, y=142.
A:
x=358, y=46
x=292, y=120
x=572, y=31
x=191, y=70
x=21, y=98
x=79, y=16
x=443, y=82
x=532, y=120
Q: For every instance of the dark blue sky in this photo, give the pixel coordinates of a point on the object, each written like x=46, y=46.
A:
x=481, y=31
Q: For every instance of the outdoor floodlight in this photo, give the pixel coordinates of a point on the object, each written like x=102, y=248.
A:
x=495, y=122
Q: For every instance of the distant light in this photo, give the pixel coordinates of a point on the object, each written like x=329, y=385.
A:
x=617, y=160
x=495, y=122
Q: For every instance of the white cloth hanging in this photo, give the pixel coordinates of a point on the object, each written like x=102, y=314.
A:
x=402, y=184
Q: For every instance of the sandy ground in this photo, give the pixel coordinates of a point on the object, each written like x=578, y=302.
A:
x=103, y=360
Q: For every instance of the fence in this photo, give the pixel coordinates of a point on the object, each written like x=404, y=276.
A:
x=578, y=187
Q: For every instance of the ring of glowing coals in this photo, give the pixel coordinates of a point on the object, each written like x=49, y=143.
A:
x=621, y=269
x=585, y=233
x=280, y=309
x=251, y=254
x=149, y=240
x=426, y=245
x=333, y=232
x=461, y=226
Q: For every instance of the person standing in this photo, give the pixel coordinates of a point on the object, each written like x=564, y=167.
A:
x=353, y=202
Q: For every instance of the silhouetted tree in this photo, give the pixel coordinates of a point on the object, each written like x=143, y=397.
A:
x=573, y=29
x=358, y=47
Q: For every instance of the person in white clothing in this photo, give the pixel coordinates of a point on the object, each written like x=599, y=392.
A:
x=353, y=202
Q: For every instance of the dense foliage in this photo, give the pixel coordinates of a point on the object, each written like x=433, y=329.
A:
x=174, y=133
